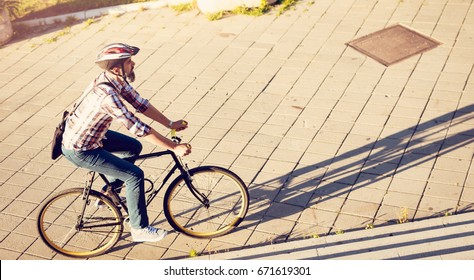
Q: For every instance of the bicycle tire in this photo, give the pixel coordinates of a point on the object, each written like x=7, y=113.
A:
x=228, y=203
x=58, y=225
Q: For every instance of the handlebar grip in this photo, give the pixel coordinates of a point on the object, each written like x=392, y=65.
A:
x=175, y=138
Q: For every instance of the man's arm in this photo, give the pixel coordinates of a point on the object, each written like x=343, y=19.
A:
x=156, y=115
x=158, y=139
x=155, y=138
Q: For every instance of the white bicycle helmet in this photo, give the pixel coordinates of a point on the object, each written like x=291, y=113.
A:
x=114, y=54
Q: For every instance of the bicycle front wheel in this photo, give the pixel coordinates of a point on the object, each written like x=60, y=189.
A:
x=73, y=226
x=215, y=202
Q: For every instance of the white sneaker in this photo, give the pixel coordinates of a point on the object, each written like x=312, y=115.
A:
x=148, y=234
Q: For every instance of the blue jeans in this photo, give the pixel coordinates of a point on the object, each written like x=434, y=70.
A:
x=109, y=160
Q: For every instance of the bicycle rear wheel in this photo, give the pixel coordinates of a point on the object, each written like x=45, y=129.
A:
x=226, y=205
x=68, y=230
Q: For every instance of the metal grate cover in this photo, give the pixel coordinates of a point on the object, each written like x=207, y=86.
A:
x=393, y=44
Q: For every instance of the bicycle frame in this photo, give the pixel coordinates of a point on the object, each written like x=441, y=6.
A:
x=183, y=169
x=179, y=165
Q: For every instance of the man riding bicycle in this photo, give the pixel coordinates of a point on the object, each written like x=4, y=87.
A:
x=88, y=142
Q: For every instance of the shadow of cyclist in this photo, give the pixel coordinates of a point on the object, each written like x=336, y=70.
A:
x=371, y=163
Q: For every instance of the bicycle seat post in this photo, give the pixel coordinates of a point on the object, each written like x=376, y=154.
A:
x=88, y=184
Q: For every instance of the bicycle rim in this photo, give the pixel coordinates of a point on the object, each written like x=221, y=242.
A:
x=228, y=203
x=61, y=228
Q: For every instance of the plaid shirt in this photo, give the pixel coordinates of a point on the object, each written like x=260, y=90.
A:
x=86, y=128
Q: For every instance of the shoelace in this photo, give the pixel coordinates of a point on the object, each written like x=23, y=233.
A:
x=150, y=229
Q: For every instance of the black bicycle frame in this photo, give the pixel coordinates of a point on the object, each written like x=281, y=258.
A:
x=183, y=169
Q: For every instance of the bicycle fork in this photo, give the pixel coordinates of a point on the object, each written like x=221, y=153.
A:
x=188, y=179
x=199, y=196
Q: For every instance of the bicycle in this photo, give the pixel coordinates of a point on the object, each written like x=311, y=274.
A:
x=202, y=202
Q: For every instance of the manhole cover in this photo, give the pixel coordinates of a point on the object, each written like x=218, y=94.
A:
x=393, y=44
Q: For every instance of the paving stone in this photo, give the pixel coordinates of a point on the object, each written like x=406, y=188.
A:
x=366, y=194
x=282, y=154
x=332, y=204
x=293, y=182
x=468, y=195
x=437, y=205
x=413, y=173
x=345, y=223
x=33, y=195
x=17, y=242
x=272, y=227
x=393, y=215
x=22, y=179
x=359, y=208
x=280, y=168
x=146, y=252
x=292, y=197
x=284, y=210
x=9, y=254
x=21, y=208
x=257, y=151
x=450, y=192
x=401, y=199
x=447, y=177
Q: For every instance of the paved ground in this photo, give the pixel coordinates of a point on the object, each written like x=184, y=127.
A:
x=444, y=238
x=328, y=140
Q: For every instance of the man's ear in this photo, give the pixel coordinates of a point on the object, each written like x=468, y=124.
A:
x=116, y=70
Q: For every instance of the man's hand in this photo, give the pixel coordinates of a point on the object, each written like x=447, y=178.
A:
x=179, y=125
x=182, y=149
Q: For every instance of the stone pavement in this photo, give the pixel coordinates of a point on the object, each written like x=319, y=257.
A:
x=327, y=139
x=445, y=238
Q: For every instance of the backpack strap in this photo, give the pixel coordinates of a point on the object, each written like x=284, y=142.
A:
x=107, y=84
x=85, y=93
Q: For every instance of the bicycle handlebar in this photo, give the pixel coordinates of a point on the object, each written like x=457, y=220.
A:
x=175, y=138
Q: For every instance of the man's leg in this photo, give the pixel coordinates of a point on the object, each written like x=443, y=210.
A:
x=122, y=146
x=102, y=161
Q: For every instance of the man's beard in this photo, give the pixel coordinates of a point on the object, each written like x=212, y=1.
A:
x=130, y=76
